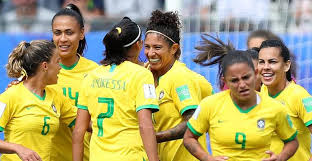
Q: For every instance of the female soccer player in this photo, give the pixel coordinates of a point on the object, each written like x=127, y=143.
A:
x=119, y=98
x=179, y=89
x=240, y=121
x=30, y=112
x=69, y=38
x=274, y=64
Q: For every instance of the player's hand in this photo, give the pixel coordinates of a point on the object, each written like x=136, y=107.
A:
x=26, y=154
x=218, y=158
x=273, y=157
x=15, y=82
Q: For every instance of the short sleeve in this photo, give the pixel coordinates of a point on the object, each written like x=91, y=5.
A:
x=5, y=111
x=185, y=94
x=82, y=101
x=199, y=122
x=68, y=112
x=205, y=87
x=145, y=97
x=305, y=109
x=284, y=127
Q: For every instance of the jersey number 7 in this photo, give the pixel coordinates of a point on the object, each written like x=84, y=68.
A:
x=108, y=114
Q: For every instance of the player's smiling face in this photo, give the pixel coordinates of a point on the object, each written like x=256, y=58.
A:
x=272, y=67
x=158, y=52
x=66, y=35
x=240, y=78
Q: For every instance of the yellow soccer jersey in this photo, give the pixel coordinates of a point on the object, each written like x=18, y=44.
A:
x=113, y=95
x=299, y=106
x=69, y=81
x=31, y=120
x=179, y=90
x=241, y=135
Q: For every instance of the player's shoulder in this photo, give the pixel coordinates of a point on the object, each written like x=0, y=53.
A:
x=269, y=102
x=15, y=90
x=217, y=97
x=296, y=90
x=135, y=68
x=88, y=62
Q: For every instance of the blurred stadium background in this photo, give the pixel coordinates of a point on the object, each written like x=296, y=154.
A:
x=229, y=19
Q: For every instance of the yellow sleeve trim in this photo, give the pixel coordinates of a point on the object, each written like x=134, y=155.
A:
x=82, y=107
x=193, y=130
x=291, y=138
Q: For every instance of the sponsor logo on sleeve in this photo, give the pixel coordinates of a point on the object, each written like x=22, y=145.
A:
x=183, y=92
x=289, y=121
x=149, y=91
x=307, y=102
x=2, y=108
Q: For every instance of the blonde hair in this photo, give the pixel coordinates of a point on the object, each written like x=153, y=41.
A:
x=26, y=57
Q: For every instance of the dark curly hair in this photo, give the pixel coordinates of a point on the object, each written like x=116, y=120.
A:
x=167, y=23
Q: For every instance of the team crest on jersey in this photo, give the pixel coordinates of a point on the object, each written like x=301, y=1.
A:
x=261, y=124
x=54, y=108
x=161, y=94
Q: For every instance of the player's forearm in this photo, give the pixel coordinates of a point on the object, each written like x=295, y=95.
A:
x=289, y=150
x=193, y=146
x=177, y=132
x=172, y=134
x=149, y=140
x=8, y=148
x=77, y=146
x=147, y=133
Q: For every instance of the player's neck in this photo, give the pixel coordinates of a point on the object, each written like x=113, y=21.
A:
x=278, y=88
x=35, y=85
x=247, y=103
x=70, y=61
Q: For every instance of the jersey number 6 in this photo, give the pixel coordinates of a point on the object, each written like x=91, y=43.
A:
x=108, y=114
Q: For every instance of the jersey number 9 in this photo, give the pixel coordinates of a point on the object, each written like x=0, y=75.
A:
x=240, y=138
x=108, y=114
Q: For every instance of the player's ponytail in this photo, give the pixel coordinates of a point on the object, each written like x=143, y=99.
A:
x=119, y=40
x=211, y=51
x=26, y=57
x=215, y=51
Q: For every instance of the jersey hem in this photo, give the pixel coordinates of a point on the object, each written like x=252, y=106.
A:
x=82, y=107
x=291, y=138
x=72, y=123
x=191, y=107
x=193, y=130
x=154, y=108
x=308, y=123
